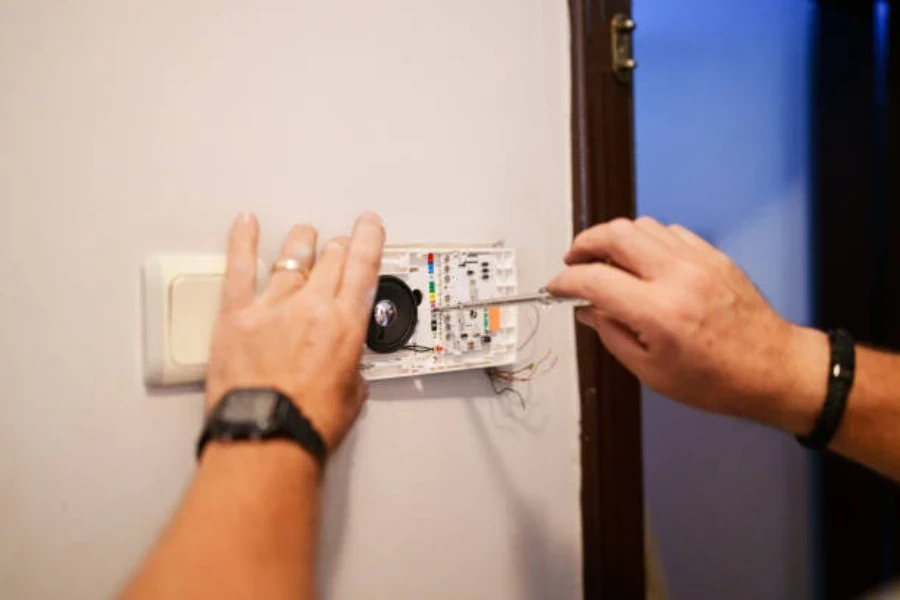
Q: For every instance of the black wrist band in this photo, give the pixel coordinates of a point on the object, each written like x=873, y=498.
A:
x=254, y=414
x=840, y=381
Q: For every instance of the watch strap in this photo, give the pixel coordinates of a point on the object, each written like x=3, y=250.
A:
x=299, y=428
x=841, y=372
x=287, y=422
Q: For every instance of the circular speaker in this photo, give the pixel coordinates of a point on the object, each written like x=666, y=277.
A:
x=394, y=315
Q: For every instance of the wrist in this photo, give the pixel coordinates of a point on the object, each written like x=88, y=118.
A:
x=806, y=383
x=277, y=458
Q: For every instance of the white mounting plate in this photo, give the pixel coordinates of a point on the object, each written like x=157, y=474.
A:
x=181, y=300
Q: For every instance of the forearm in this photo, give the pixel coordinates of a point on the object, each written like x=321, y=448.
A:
x=685, y=319
x=246, y=529
x=870, y=430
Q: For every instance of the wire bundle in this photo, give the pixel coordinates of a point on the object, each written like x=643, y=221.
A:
x=528, y=372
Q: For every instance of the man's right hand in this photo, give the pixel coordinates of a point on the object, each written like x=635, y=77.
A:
x=688, y=322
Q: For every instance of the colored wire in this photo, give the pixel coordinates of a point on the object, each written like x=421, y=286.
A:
x=503, y=381
x=527, y=372
x=537, y=325
x=418, y=349
x=501, y=390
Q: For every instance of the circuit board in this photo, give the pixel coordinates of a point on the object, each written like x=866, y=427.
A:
x=450, y=340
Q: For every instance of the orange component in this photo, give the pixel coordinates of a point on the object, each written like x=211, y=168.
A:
x=494, y=318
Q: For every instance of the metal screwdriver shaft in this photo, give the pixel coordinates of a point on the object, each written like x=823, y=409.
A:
x=542, y=296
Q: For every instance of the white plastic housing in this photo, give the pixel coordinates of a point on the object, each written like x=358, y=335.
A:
x=460, y=339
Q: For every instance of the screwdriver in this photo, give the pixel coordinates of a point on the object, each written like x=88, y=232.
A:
x=542, y=296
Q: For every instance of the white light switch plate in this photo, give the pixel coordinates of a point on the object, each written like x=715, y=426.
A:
x=181, y=300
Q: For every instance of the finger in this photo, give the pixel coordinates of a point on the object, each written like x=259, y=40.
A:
x=300, y=245
x=363, y=264
x=616, y=293
x=325, y=279
x=617, y=338
x=622, y=242
x=239, y=285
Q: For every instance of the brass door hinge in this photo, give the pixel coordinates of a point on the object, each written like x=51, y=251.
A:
x=623, y=62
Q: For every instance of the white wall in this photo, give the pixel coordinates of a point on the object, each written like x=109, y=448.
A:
x=128, y=128
x=721, y=123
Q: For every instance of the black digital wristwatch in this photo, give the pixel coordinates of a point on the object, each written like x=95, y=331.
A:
x=255, y=414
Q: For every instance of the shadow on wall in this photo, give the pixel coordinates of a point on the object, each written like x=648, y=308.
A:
x=546, y=565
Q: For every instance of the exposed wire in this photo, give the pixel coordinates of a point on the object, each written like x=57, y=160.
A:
x=534, y=329
x=418, y=349
x=527, y=372
x=500, y=389
x=503, y=381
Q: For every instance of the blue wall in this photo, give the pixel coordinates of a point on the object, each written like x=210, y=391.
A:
x=721, y=96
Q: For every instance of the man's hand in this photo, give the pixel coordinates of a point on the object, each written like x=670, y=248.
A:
x=305, y=334
x=247, y=527
x=689, y=323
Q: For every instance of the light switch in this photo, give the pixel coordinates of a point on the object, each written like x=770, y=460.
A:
x=181, y=300
x=195, y=303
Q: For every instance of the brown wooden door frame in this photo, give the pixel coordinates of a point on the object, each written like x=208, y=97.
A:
x=612, y=504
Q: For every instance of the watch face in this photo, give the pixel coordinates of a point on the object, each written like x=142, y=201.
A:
x=251, y=407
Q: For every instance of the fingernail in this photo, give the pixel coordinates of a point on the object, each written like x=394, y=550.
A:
x=339, y=242
x=372, y=217
x=245, y=218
